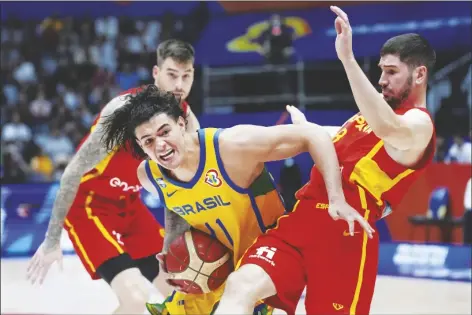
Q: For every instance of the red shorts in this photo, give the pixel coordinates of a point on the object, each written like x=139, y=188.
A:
x=100, y=231
x=309, y=248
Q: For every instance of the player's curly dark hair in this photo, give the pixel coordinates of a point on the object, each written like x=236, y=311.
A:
x=412, y=49
x=119, y=127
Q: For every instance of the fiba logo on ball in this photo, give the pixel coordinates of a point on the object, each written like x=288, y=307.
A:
x=198, y=262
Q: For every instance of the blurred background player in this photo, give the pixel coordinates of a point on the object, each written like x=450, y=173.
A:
x=382, y=150
x=223, y=165
x=99, y=204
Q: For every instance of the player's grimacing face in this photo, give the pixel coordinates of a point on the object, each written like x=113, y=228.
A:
x=174, y=77
x=162, y=139
x=396, y=80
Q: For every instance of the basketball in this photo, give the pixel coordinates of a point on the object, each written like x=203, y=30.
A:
x=198, y=262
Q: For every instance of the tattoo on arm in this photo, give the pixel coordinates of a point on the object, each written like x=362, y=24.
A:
x=175, y=225
x=90, y=154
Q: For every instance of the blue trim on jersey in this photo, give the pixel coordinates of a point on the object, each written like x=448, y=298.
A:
x=240, y=190
x=222, y=168
x=171, y=296
x=212, y=232
x=201, y=165
x=153, y=181
x=278, y=192
x=228, y=236
x=257, y=212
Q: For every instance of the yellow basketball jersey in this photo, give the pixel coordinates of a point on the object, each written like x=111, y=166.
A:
x=213, y=203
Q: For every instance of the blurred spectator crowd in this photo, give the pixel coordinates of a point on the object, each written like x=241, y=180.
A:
x=59, y=72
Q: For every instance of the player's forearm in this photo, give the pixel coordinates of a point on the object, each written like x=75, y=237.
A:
x=322, y=151
x=85, y=159
x=174, y=226
x=378, y=114
x=68, y=188
x=90, y=153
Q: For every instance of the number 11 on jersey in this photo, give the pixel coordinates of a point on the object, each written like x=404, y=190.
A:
x=220, y=226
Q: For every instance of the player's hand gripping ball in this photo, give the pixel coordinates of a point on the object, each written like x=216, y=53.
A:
x=198, y=263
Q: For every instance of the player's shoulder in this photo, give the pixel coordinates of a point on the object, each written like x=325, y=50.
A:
x=418, y=117
x=142, y=172
x=236, y=137
x=145, y=178
x=413, y=111
x=143, y=164
x=142, y=168
x=418, y=127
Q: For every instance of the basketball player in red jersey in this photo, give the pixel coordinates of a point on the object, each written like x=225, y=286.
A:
x=98, y=202
x=382, y=150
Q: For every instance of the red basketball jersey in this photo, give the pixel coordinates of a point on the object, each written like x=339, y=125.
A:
x=365, y=162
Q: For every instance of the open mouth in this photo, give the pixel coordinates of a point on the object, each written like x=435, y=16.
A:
x=168, y=155
x=178, y=96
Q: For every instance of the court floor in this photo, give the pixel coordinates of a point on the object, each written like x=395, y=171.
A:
x=72, y=292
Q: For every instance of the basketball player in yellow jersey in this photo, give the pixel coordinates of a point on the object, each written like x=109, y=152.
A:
x=213, y=180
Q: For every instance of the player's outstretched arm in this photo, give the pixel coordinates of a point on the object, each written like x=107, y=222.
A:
x=89, y=154
x=257, y=144
x=403, y=132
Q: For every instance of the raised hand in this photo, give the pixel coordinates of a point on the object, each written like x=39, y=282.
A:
x=344, y=35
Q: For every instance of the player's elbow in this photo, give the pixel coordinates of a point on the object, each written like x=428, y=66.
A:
x=308, y=135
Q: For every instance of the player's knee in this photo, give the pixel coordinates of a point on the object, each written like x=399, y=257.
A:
x=132, y=290
x=249, y=283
